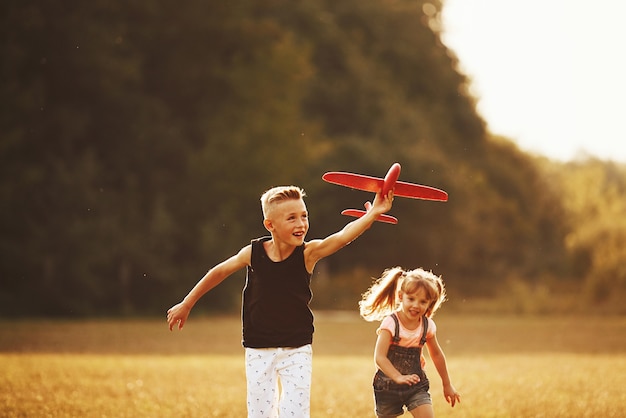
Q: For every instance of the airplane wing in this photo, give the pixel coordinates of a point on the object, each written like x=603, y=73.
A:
x=354, y=181
x=417, y=191
x=381, y=218
x=374, y=185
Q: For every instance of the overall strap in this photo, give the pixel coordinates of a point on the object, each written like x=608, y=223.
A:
x=425, y=322
x=396, y=335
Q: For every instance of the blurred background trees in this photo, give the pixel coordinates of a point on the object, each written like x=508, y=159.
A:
x=137, y=139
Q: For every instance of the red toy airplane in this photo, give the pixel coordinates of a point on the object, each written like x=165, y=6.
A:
x=374, y=185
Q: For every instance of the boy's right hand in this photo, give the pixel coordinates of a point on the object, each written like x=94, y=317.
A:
x=177, y=314
x=382, y=204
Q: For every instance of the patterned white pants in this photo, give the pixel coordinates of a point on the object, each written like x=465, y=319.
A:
x=279, y=382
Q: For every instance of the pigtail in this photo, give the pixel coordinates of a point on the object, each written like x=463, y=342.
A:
x=440, y=294
x=380, y=299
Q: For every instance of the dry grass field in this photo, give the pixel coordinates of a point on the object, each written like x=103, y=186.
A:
x=503, y=366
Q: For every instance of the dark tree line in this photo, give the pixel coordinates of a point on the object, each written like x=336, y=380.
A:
x=138, y=137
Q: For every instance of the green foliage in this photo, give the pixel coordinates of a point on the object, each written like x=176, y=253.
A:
x=595, y=198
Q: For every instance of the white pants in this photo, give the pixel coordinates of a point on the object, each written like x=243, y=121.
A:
x=266, y=368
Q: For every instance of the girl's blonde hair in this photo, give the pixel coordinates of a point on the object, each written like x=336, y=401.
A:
x=381, y=299
x=279, y=194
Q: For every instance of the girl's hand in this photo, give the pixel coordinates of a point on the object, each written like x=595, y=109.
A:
x=451, y=395
x=407, y=379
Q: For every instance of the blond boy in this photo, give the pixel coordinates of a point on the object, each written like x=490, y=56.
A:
x=276, y=318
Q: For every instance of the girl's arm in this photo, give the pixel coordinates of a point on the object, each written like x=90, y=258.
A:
x=383, y=363
x=315, y=250
x=439, y=360
x=177, y=314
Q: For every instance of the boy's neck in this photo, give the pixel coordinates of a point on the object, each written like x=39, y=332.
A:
x=277, y=251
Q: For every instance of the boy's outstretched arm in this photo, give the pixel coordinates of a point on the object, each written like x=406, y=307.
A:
x=178, y=313
x=318, y=249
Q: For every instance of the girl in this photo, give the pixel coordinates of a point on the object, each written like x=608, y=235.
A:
x=405, y=301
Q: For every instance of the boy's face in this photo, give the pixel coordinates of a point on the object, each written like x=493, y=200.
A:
x=288, y=221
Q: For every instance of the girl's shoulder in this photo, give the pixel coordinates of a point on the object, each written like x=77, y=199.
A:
x=387, y=323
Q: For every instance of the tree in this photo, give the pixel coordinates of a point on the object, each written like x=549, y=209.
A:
x=593, y=194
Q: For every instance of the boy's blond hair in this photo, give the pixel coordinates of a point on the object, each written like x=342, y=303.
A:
x=279, y=194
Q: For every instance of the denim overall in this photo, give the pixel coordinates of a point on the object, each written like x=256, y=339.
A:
x=408, y=361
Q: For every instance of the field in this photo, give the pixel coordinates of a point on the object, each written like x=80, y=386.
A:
x=503, y=366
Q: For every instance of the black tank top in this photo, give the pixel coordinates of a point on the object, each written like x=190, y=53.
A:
x=276, y=300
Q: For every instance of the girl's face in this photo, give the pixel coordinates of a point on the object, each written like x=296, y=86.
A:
x=414, y=305
x=288, y=221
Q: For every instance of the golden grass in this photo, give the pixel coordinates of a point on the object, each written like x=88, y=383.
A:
x=503, y=367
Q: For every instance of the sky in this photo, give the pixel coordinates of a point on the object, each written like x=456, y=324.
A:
x=548, y=74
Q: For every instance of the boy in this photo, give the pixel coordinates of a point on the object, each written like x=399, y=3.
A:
x=277, y=321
